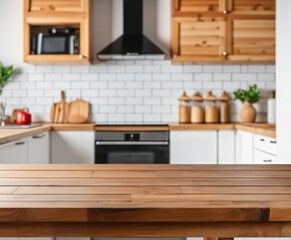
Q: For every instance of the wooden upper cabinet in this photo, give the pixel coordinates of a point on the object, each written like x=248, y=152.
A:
x=225, y=31
x=252, y=7
x=56, y=5
x=199, y=38
x=252, y=40
x=41, y=15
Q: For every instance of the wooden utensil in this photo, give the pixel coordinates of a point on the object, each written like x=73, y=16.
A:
x=79, y=111
x=61, y=116
x=53, y=108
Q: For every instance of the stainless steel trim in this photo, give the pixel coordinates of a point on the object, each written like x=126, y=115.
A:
x=124, y=143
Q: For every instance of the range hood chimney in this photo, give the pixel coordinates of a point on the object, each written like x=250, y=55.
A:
x=132, y=44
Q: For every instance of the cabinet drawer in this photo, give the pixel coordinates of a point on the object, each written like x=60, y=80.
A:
x=55, y=5
x=264, y=158
x=265, y=144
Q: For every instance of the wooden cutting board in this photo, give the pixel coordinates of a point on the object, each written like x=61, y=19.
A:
x=78, y=111
x=59, y=111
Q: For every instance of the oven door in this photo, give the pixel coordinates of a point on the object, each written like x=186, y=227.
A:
x=124, y=152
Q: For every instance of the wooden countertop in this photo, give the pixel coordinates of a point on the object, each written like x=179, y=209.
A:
x=7, y=135
x=264, y=129
x=145, y=200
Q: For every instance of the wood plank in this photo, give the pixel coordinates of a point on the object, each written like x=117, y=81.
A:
x=8, y=190
x=144, y=167
x=133, y=182
x=192, y=174
x=92, y=190
x=236, y=190
x=142, y=229
x=65, y=198
x=46, y=174
x=207, y=197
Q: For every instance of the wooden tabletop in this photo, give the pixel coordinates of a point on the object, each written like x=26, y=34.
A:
x=145, y=200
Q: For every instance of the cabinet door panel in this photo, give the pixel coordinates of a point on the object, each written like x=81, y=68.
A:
x=199, y=36
x=252, y=39
x=39, y=149
x=244, y=147
x=254, y=7
x=226, y=149
x=197, y=5
x=193, y=147
x=14, y=152
x=75, y=147
x=261, y=157
x=56, y=5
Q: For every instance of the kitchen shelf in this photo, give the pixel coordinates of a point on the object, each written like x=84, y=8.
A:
x=41, y=15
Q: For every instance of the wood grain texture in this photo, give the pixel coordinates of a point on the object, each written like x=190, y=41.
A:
x=145, y=200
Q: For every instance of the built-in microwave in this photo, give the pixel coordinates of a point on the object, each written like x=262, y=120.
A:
x=55, y=44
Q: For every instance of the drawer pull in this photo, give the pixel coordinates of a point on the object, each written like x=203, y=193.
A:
x=267, y=161
x=262, y=140
x=19, y=143
x=38, y=137
x=273, y=142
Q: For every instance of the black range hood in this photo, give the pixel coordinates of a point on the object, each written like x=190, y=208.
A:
x=132, y=44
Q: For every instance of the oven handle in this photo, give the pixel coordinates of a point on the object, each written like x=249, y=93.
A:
x=124, y=143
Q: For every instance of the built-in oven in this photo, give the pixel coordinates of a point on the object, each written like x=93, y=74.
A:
x=132, y=147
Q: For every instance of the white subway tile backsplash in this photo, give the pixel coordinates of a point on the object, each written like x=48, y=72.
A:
x=203, y=77
x=125, y=77
x=98, y=69
x=192, y=68
x=231, y=68
x=212, y=68
x=172, y=69
x=182, y=77
x=52, y=77
x=222, y=77
x=162, y=77
x=43, y=69
x=80, y=69
x=134, y=69
x=36, y=77
x=244, y=77
x=131, y=91
x=267, y=77
x=89, y=77
x=256, y=68
x=80, y=85
x=152, y=69
x=61, y=69
x=71, y=77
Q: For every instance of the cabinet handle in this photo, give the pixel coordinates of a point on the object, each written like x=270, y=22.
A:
x=81, y=56
x=267, y=161
x=19, y=143
x=225, y=11
x=262, y=140
x=38, y=137
x=273, y=142
x=225, y=54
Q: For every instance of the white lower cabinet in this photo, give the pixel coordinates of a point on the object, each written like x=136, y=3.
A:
x=244, y=145
x=39, y=148
x=193, y=147
x=226, y=147
x=72, y=147
x=14, y=152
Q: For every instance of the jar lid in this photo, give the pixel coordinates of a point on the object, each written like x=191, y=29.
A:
x=197, y=97
x=184, y=97
x=224, y=97
x=210, y=97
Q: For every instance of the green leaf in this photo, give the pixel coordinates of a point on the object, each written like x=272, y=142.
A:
x=5, y=74
x=251, y=95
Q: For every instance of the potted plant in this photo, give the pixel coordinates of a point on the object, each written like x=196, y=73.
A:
x=5, y=74
x=248, y=97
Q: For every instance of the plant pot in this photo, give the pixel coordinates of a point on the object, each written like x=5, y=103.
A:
x=248, y=113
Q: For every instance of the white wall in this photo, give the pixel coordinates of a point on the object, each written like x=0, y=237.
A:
x=283, y=74
x=119, y=91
